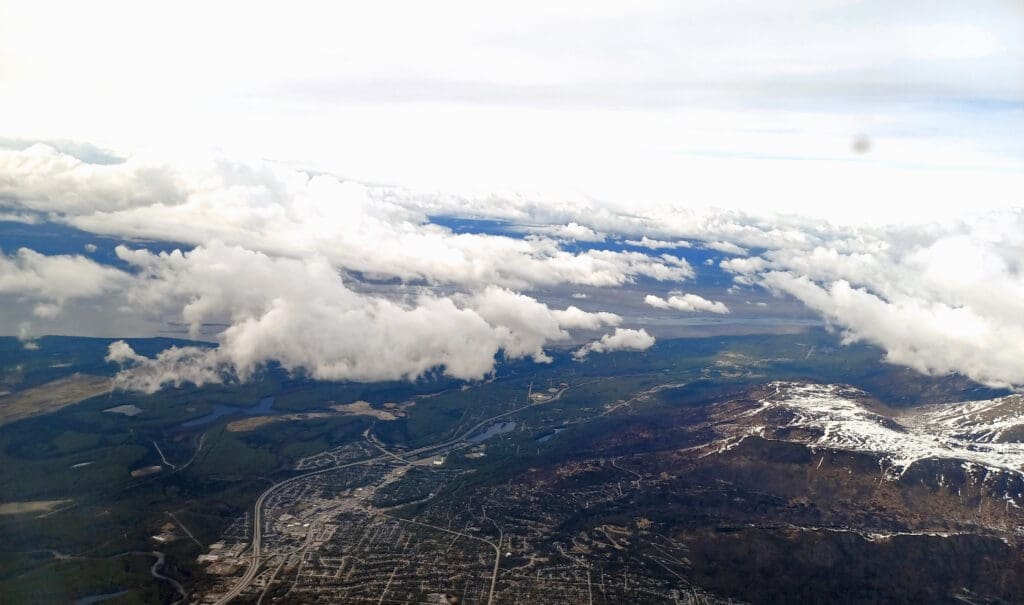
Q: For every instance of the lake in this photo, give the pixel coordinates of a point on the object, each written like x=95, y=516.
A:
x=264, y=407
x=548, y=437
x=491, y=431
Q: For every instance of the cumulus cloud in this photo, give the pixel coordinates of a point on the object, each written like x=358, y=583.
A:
x=41, y=178
x=623, y=339
x=726, y=247
x=686, y=302
x=24, y=218
x=572, y=231
x=283, y=211
x=271, y=245
x=52, y=280
x=171, y=367
x=744, y=266
x=525, y=325
x=263, y=232
x=944, y=299
x=931, y=337
x=744, y=269
x=300, y=313
x=655, y=244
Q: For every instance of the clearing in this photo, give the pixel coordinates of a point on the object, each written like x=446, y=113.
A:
x=51, y=396
x=33, y=506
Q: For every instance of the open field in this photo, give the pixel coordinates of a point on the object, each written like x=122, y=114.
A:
x=51, y=396
x=392, y=411
x=255, y=422
x=36, y=506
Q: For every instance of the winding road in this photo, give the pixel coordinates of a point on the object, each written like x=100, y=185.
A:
x=257, y=526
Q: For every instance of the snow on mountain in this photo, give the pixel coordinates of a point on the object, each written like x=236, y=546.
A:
x=986, y=433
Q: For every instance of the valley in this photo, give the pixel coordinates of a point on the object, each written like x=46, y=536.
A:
x=711, y=471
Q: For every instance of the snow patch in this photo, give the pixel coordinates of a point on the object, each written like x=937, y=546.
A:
x=970, y=431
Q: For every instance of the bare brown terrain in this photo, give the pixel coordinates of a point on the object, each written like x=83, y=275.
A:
x=35, y=506
x=51, y=396
x=254, y=422
x=392, y=411
x=147, y=471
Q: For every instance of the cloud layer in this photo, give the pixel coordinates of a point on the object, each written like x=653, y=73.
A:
x=287, y=212
x=50, y=281
x=945, y=299
x=349, y=281
x=833, y=157
x=301, y=315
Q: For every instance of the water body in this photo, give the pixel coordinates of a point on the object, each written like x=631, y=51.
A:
x=491, y=431
x=99, y=598
x=548, y=437
x=264, y=407
x=126, y=410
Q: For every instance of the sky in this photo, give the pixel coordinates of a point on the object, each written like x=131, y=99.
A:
x=859, y=164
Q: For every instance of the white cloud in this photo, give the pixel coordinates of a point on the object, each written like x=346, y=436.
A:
x=249, y=220
x=949, y=298
x=575, y=318
x=579, y=295
x=540, y=113
x=25, y=218
x=686, y=302
x=744, y=266
x=751, y=112
x=931, y=337
x=623, y=339
x=301, y=314
x=655, y=244
x=52, y=280
x=525, y=325
x=39, y=178
x=278, y=210
x=726, y=247
x=173, y=366
x=572, y=231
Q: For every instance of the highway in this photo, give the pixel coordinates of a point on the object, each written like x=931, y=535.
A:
x=257, y=524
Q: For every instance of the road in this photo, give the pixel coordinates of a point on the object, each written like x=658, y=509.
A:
x=162, y=457
x=257, y=525
x=497, y=549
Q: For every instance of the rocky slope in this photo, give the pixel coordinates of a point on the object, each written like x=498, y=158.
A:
x=811, y=493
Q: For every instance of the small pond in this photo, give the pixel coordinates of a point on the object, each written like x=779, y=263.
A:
x=99, y=598
x=547, y=437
